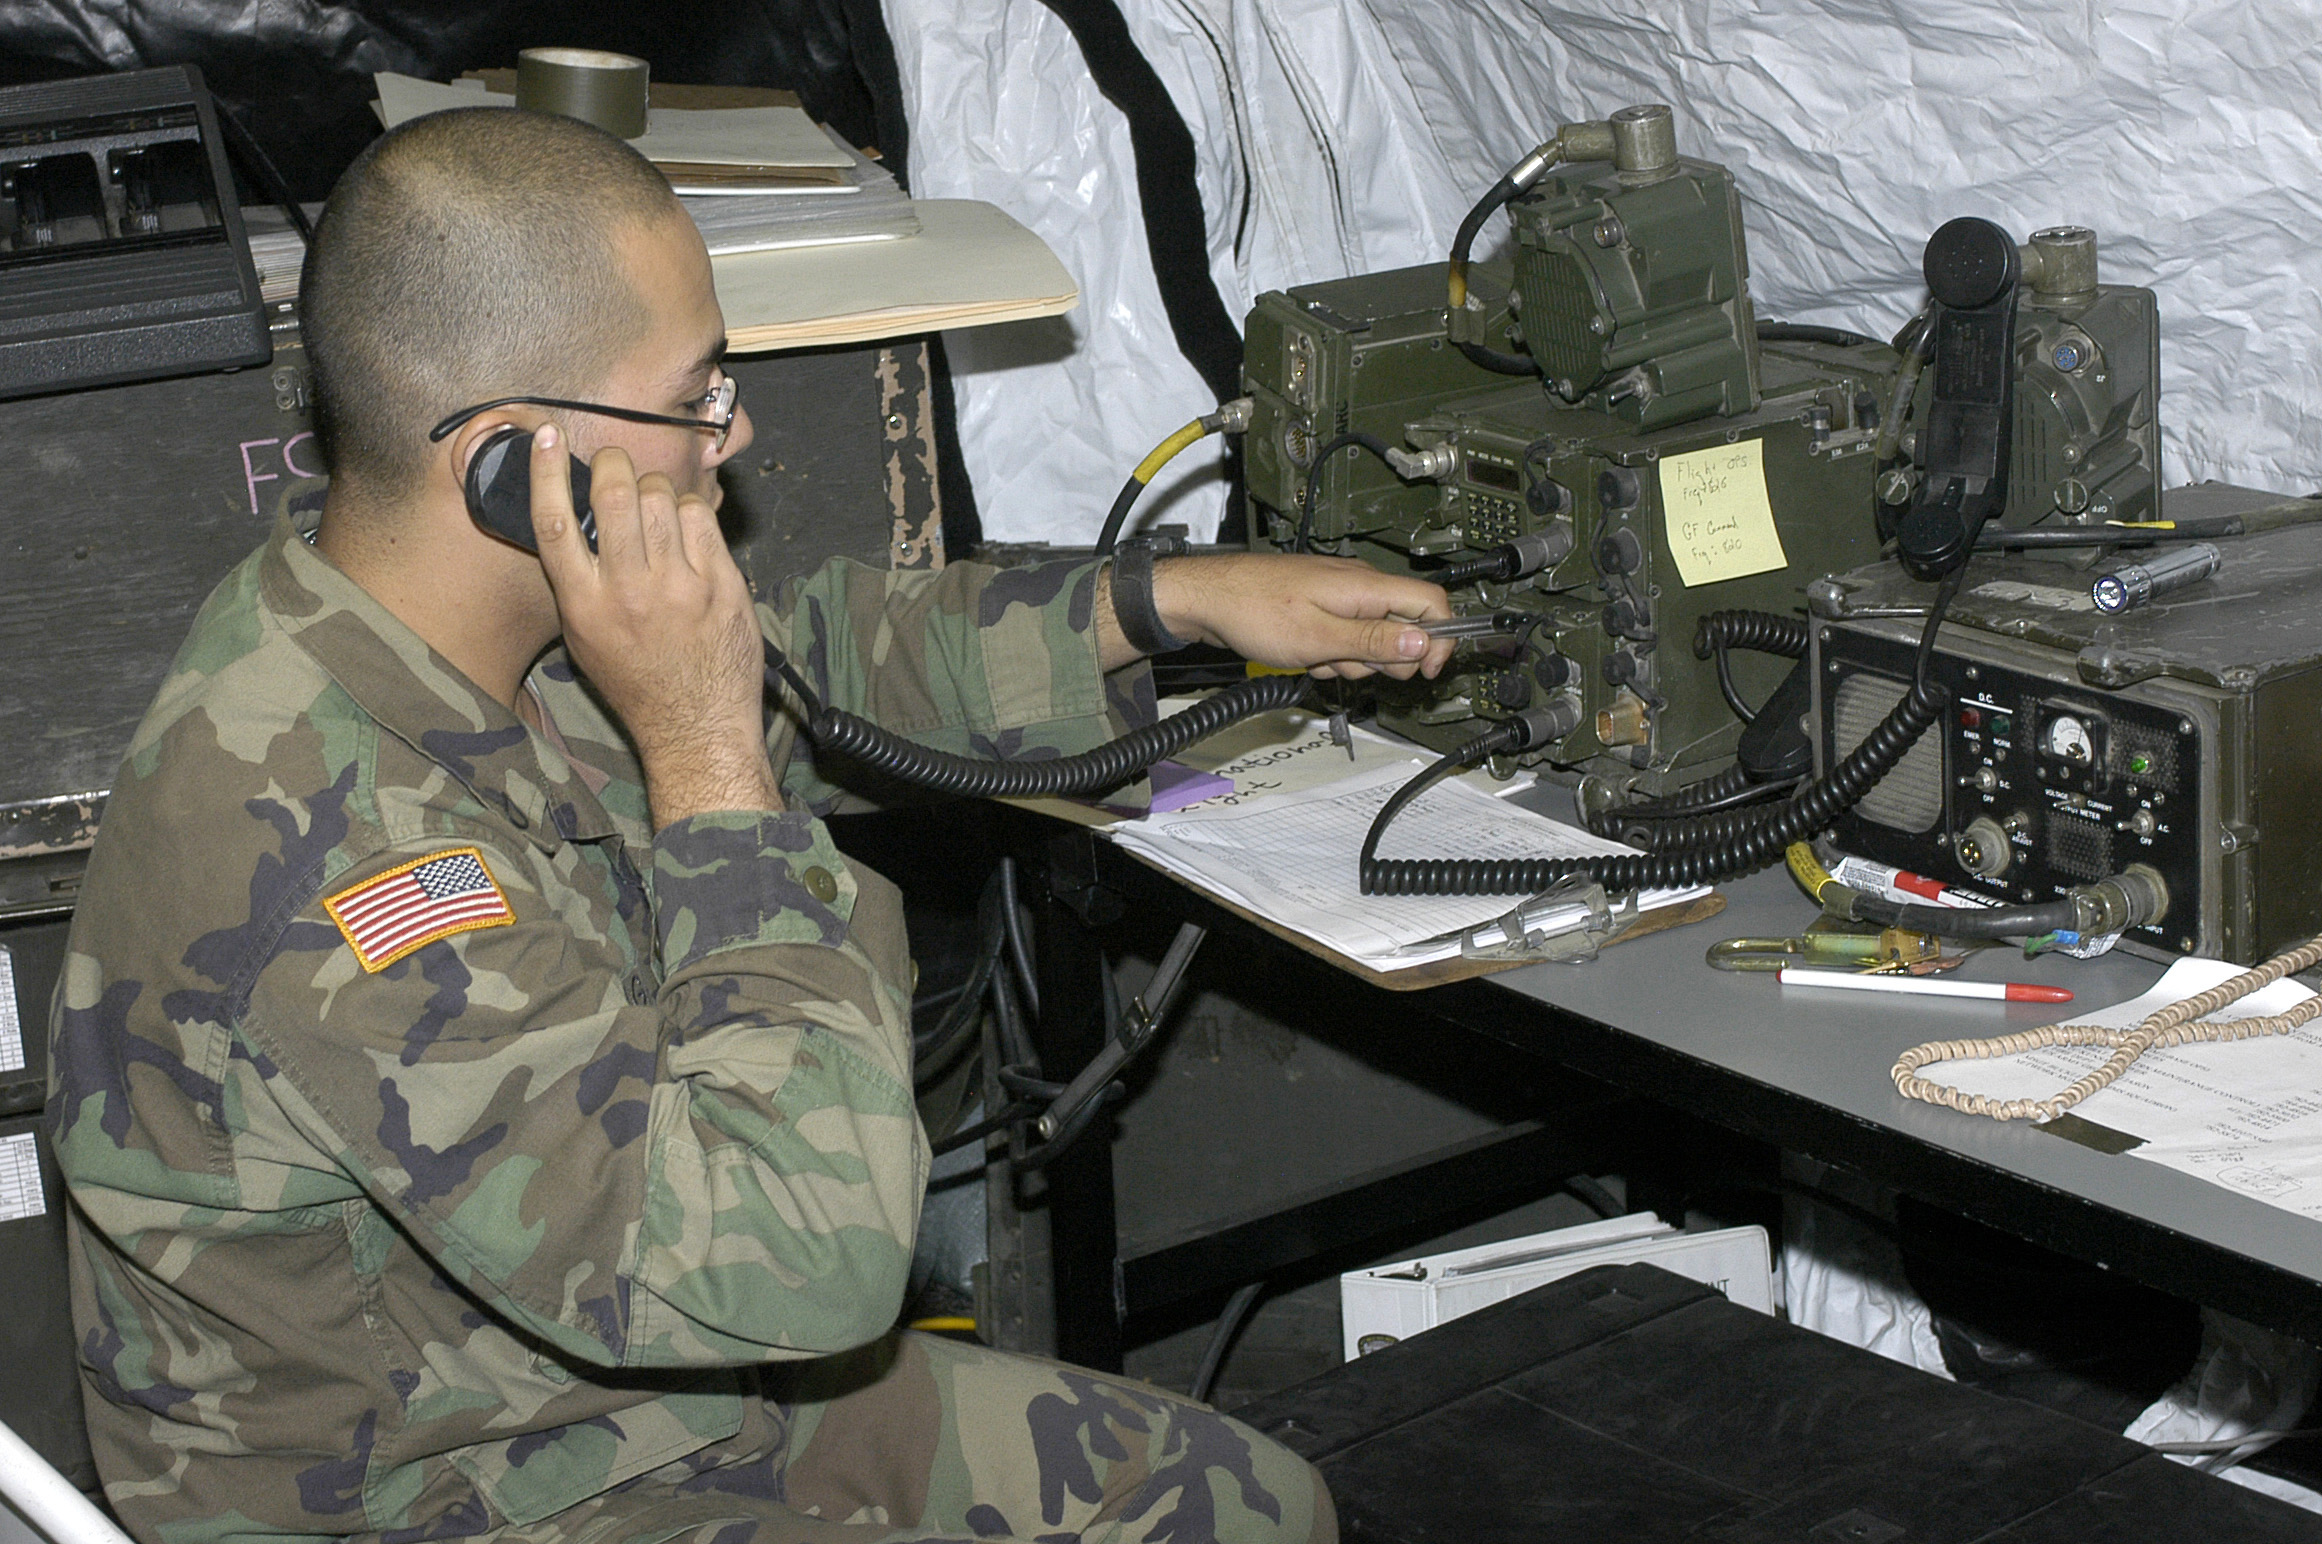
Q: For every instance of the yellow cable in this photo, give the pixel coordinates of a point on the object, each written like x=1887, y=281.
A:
x=1150, y=467
x=1808, y=870
x=958, y=1323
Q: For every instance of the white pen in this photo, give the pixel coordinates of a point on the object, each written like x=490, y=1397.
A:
x=1925, y=986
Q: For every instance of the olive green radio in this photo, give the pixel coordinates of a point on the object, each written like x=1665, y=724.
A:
x=1610, y=401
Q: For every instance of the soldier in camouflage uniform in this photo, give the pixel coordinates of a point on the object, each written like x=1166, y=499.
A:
x=484, y=1088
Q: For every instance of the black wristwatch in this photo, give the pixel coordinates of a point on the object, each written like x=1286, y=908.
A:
x=1132, y=589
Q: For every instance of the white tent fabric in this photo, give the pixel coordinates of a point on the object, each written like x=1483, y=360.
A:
x=1342, y=136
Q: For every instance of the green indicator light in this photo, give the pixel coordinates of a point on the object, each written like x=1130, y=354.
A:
x=2140, y=764
x=2001, y=723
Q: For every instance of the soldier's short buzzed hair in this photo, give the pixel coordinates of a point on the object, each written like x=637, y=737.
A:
x=464, y=256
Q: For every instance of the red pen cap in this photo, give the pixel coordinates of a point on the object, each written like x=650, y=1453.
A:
x=2019, y=992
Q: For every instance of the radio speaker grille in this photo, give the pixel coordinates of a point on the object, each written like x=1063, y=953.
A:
x=1909, y=798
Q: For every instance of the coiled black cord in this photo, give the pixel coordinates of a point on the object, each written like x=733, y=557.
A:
x=840, y=733
x=1766, y=632
x=1696, y=850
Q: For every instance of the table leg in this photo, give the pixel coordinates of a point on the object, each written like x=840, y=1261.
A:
x=1068, y=904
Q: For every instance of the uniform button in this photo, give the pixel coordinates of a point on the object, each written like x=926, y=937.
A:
x=820, y=885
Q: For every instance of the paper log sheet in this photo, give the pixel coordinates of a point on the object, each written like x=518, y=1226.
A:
x=1292, y=859
x=20, y=1188
x=2244, y=1114
x=11, y=1019
x=1720, y=524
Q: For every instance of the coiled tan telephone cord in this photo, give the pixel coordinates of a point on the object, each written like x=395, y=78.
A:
x=2172, y=1026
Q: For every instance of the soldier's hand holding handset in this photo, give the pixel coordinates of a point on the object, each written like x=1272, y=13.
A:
x=661, y=622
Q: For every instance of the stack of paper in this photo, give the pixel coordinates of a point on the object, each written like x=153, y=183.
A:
x=1291, y=857
x=741, y=219
x=719, y=147
x=812, y=242
x=753, y=178
x=277, y=250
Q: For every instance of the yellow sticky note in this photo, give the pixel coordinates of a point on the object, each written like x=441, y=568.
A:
x=1719, y=522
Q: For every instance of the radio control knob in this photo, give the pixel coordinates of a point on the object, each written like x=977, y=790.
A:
x=1618, y=551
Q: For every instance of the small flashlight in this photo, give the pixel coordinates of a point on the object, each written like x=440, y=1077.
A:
x=2125, y=589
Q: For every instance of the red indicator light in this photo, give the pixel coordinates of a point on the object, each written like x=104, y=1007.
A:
x=1969, y=718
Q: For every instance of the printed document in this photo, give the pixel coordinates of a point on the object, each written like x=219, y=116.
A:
x=2244, y=1114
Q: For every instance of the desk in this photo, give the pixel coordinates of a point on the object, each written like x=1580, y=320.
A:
x=1808, y=1071
x=1802, y=1071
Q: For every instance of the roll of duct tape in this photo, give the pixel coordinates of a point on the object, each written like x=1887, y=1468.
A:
x=590, y=84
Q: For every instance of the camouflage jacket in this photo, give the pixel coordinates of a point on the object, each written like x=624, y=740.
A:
x=420, y=1194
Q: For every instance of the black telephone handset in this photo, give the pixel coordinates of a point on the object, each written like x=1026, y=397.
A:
x=499, y=489
x=1972, y=271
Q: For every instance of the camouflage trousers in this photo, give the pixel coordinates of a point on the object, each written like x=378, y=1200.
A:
x=917, y=1438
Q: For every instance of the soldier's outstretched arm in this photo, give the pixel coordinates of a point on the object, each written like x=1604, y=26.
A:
x=969, y=658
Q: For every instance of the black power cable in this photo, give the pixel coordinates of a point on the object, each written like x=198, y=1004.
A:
x=243, y=146
x=1491, y=359
x=934, y=1052
x=1221, y=1339
x=1011, y=1114
x=1303, y=541
x=1969, y=922
x=1805, y=332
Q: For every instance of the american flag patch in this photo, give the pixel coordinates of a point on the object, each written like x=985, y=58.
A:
x=387, y=916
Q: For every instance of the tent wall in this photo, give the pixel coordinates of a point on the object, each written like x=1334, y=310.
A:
x=1339, y=136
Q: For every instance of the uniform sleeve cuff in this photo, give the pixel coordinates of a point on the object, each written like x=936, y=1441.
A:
x=741, y=878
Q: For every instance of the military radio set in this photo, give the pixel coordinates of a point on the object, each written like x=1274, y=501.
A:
x=1650, y=507
x=1669, y=457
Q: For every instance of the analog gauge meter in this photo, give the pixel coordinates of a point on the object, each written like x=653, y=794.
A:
x=2066, y=737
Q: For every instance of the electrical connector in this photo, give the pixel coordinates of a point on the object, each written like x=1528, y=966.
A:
x=1433, y=464
x=2136, y=897
x=1231, y=417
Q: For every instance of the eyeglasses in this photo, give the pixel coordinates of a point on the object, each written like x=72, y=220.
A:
x=718, y=409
